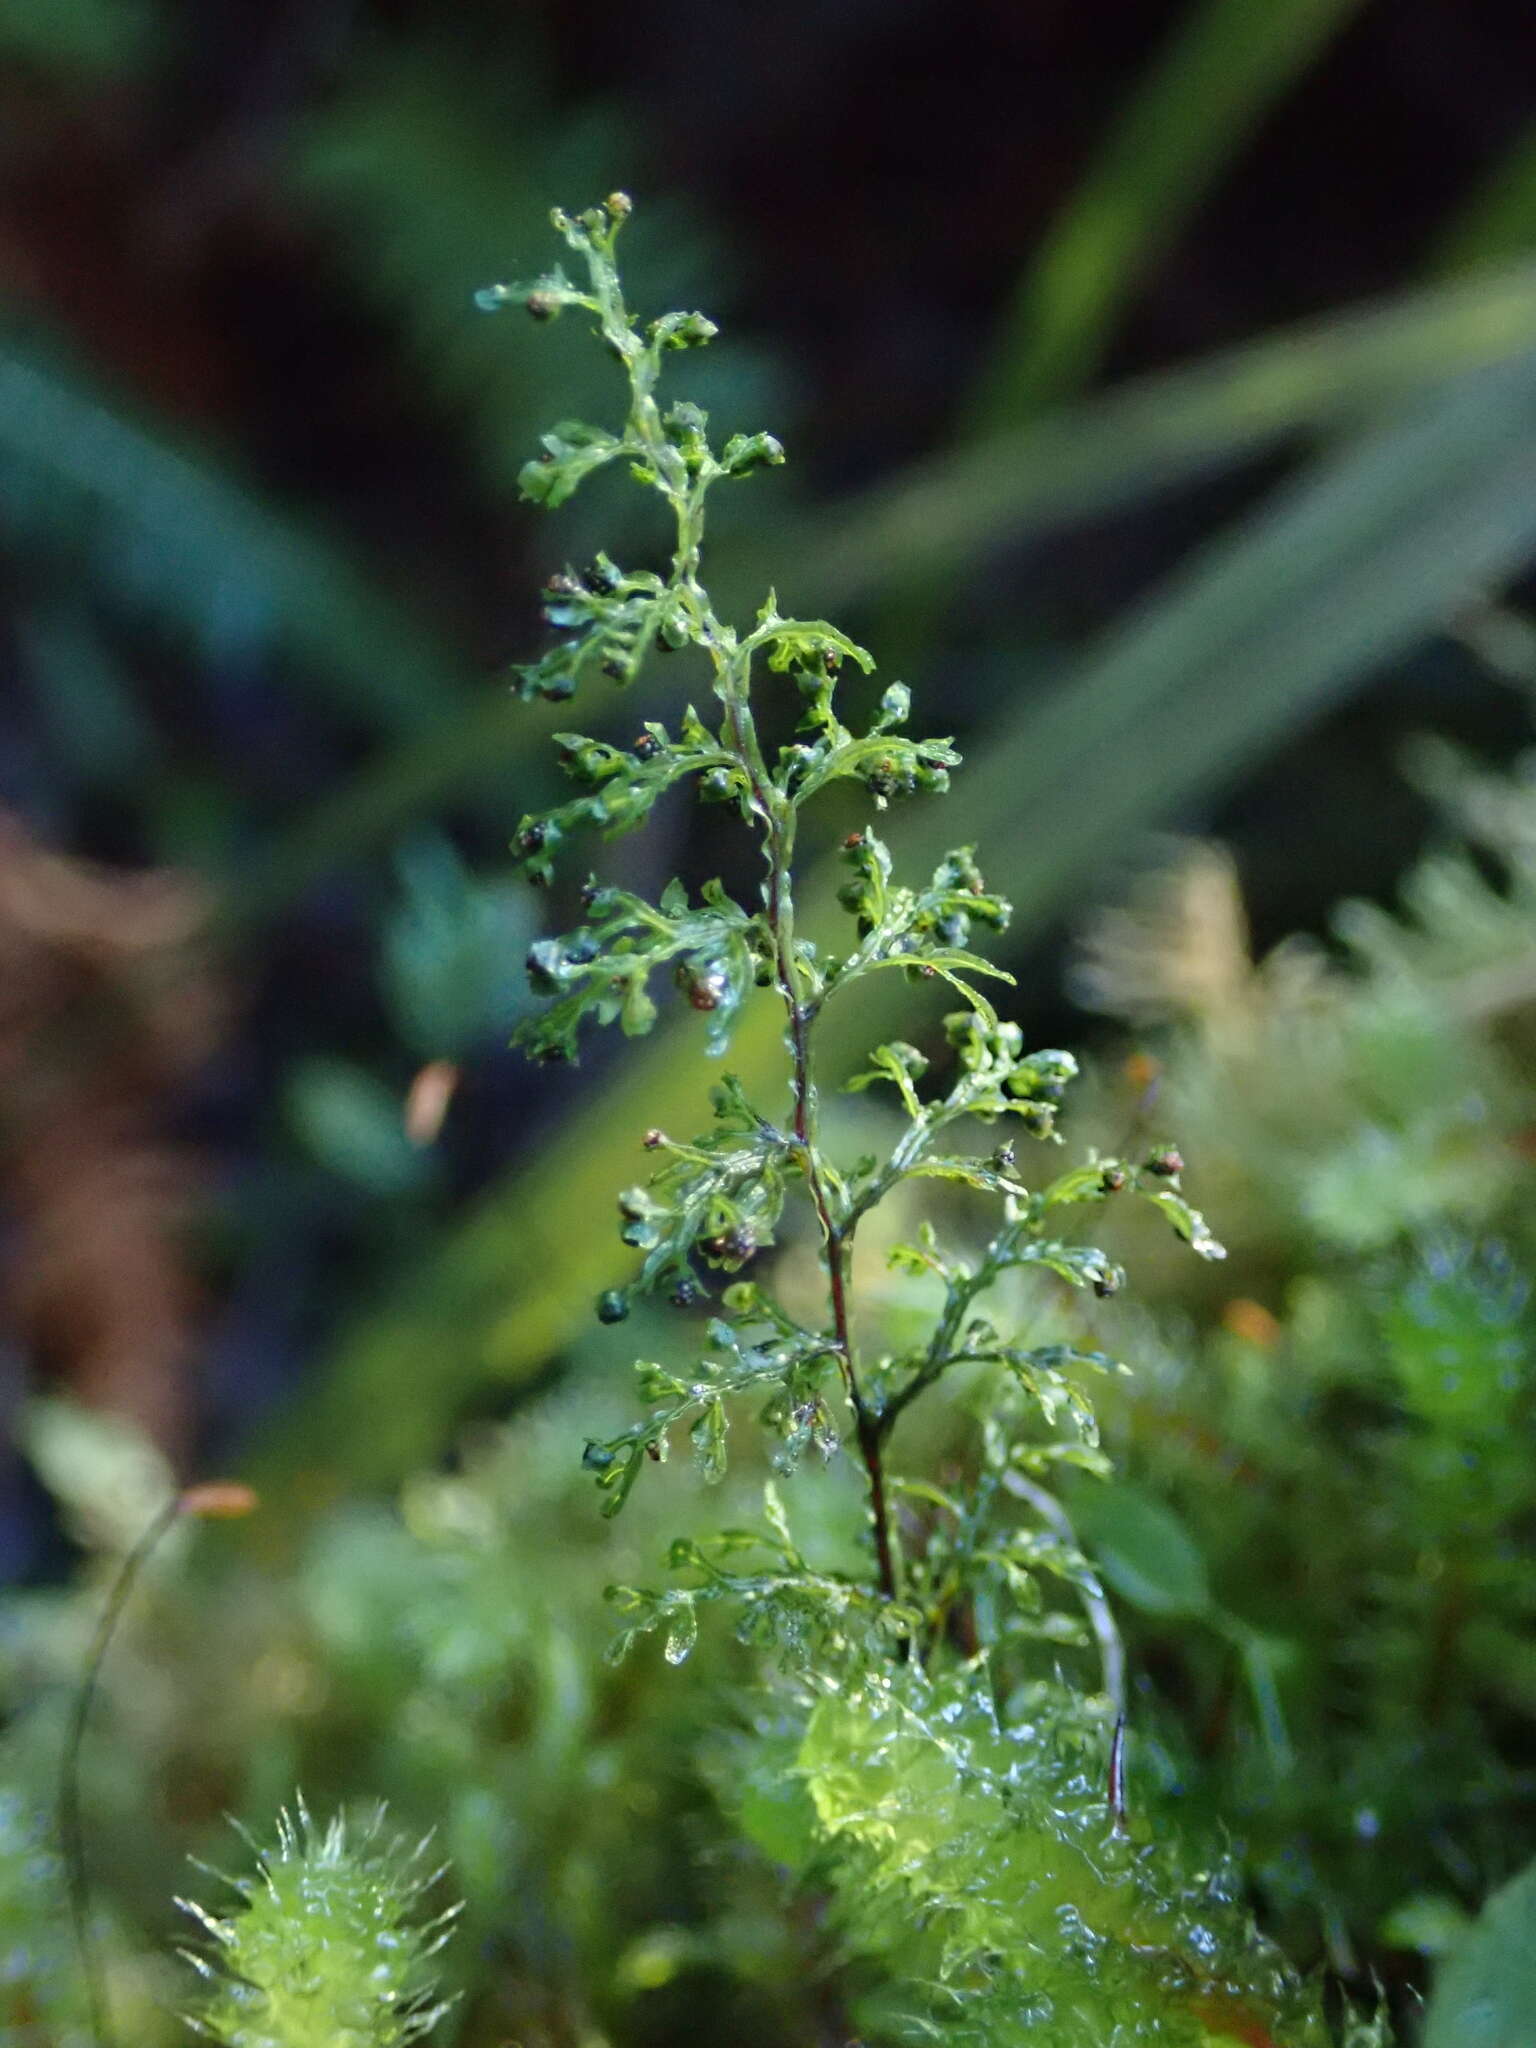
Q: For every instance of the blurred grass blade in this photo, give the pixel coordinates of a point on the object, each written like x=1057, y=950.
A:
x=1344, y=568
x=1225, y=66
x=1498, y=222
x=1347, y=566
x=171, y=539
x=1148, y=434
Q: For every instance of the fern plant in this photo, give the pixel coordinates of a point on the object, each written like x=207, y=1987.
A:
x=958, y=1802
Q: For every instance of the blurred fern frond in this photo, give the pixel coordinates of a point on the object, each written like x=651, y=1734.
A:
x=180, y=542
x=81, y=41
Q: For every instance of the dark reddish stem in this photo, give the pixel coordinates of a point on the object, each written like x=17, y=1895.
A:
x=866, y=1424
x=770, y=808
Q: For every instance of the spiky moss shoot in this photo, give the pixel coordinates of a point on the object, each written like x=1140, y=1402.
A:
x=326, y=1948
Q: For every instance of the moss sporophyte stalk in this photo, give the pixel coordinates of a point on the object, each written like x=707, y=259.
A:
x=955, y=1791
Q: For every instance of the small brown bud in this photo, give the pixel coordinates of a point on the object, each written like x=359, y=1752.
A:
x=705, y=987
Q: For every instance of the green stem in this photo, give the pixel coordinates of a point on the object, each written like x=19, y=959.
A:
x=71, y=1822
x=940, y=1354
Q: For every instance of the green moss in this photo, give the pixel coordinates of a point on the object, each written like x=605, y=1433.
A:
x=326, y=1948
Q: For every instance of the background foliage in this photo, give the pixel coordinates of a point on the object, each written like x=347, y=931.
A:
x=1162, y=394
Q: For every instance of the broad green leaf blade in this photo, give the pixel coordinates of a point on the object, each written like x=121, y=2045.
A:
x=1146, y=435
x=1143, y=1550
x=1225, y=65
x=1485, y=1997
x=1263, y=1659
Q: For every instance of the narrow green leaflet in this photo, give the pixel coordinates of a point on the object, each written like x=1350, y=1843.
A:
x=572, y=452
x=916, y=928
x=602, y=970
x=1187, y=1222
x=713, y=1200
